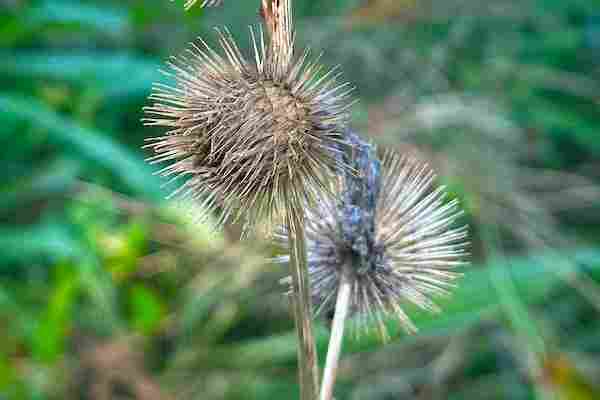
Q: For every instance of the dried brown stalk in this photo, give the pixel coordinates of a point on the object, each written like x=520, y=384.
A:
x=277, y=16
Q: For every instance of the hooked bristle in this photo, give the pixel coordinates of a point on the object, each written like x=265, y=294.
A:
x=252, y=135
x=410, y=254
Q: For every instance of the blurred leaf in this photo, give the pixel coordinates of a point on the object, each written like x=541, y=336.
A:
x=107, y=19
x=10, y=382
x=377, y=11
x=47, y=241
x=123, y=250
x=85, y=143
x=49, y=338
x=562, y=377
x=147, y=310
x=563, y=122
x=52, y=179
x=90, y=69
x=509, y=300
x=52, y=20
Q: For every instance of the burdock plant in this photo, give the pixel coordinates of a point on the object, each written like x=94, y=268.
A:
x=257, y=138
x=390, y=237
x=260, y=138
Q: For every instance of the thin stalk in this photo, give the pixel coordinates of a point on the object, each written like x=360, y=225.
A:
x=308, y=369
x=337, y=335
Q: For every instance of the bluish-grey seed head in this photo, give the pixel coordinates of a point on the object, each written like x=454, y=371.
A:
x=396, y=233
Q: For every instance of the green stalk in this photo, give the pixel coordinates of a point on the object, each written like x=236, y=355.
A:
x=308, y=370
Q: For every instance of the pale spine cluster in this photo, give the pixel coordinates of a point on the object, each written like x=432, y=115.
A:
x=393, y=229
x=254, y=137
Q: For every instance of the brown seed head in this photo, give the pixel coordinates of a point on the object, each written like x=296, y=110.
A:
x=254, y=138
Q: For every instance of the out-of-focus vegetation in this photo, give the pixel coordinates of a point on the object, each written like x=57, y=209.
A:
x=107, y=291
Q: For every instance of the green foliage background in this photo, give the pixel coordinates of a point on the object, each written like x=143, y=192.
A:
x=108, y=291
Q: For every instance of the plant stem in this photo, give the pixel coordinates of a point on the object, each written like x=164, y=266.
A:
x=337, y=334
x=308, y=369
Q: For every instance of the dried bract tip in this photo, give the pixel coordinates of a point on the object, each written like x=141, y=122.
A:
x=254, y=137
x=405, y=248
x=206, y=3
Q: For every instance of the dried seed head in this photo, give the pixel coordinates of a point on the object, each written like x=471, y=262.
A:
x=396, y=234
x=254, y=138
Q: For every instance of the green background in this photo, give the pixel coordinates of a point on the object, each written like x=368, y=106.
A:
x=108, y=291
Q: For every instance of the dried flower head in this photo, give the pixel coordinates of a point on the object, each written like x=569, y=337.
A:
x=395, y=234
x=254, y=138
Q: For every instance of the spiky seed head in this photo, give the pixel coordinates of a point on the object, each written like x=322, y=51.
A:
x=409, y=256
x=255, y=138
